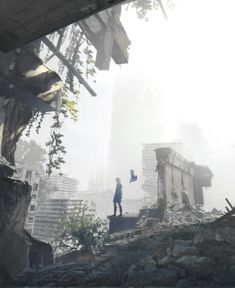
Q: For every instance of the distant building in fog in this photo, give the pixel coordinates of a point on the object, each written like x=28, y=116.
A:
x=48, y=215
x=42, y=189
x=56, y=198
x=50, y=211
x=25, y=173
x=63, y=183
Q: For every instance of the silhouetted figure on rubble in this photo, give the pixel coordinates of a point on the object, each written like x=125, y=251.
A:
x=117, y=199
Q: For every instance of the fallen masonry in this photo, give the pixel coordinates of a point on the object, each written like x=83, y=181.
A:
x=163, y=255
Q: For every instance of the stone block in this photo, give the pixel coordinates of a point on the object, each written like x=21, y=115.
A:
x=117, y=224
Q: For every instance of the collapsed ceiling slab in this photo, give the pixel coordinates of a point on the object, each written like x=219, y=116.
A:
x=25, y=77
x=24, y=21
x=107, y=34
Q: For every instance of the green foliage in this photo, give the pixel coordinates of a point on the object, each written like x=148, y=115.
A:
x=37, y=117
x=55, y=145
x=69, y=105
x=143, y=7
x=79, y=53
x=90, y=70
x=81, y=229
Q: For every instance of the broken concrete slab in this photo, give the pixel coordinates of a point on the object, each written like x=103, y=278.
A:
x=23, y=22
x=117, y=224
x=25, y=77
x=210, y=233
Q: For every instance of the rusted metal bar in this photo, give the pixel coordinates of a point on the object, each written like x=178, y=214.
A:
x=225, y=216
x=227, y=208
x=229, y=203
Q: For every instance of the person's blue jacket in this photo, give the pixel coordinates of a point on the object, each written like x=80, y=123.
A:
x=118, y=194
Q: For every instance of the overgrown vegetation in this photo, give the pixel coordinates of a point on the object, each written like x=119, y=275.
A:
x=81, y=229
x=143, y=7
x=55, y=143
x=79, y=53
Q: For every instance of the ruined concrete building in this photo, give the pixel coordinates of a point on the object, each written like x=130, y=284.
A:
x=106, y=33
x=51, y=189
x=26, y=86
x=48, y=215
x=63, y=184
x=179, y=181
x=149, y=167
x=33, y=178
x=23, y=22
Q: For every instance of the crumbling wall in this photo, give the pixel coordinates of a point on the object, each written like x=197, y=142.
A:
x=25, y=85
x=14, y=202
x=17, y=116
x=39, y=253
x=180, y=182
x=175, y=177
x=202, y=178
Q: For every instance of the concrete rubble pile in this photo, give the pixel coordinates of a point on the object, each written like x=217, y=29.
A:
x=174, y=216
x=191, y=215
x=188, y=255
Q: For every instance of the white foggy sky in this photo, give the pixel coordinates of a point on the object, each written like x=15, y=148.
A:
x=190, y=61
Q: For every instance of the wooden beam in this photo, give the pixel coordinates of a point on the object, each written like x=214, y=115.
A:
x=53, y=48
x=59, y=43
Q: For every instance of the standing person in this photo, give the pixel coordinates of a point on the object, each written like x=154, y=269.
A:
x=118, y=197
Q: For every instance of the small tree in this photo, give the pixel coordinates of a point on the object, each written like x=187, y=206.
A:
x=82, y=229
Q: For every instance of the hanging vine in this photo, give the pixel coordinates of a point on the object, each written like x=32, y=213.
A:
x=79, y=52
x=55, y=144
x=37, y=117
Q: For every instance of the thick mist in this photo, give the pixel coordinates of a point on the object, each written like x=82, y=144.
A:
x=177, y=87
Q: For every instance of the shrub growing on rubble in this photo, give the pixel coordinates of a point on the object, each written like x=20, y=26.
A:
x=81, y=230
